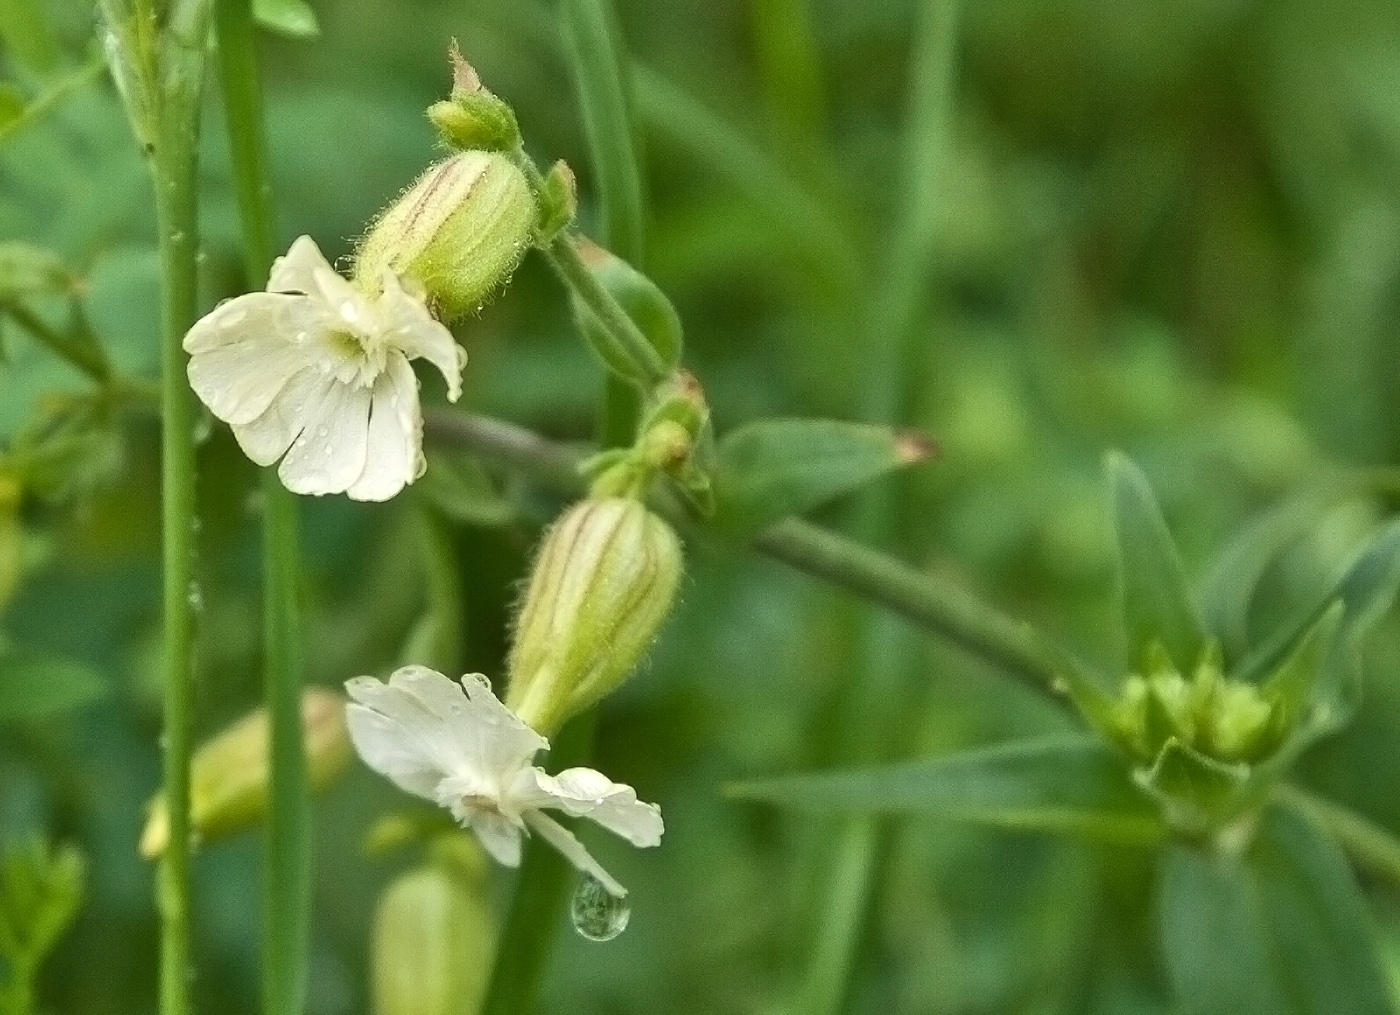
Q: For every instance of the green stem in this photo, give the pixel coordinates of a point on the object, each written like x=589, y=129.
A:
x=564, y=257
x=52, y=97
x=175, y=166
x=287, y=842
x=1366, y=842
x=929, y=602
x=89, y=358
x=537, y=907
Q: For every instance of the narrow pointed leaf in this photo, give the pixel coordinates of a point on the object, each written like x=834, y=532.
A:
x=1291, y=685
x=1074, y=786
x=778, y=467
x=1182, y=777
x=33, y=687
x=1282, y=930
x=1157, y=606
x=1366, y=589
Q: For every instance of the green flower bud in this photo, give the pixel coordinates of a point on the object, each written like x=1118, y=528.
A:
x=434, y=943
x=604, y=582
x=229, y=773
x=558, y=201
x=473, y=118
x=458, y=233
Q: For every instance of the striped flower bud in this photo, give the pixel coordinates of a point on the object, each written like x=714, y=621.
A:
x=229, y=774
x=604, y=581
x=458, y=233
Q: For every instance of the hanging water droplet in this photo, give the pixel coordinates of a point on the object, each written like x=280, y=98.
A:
x=598, y=914
x=480, y=679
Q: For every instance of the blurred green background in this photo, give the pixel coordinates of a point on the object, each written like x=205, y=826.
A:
x=1166, y=226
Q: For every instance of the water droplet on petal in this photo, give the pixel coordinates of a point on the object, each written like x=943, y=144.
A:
x=480, y=679
x=597, y=914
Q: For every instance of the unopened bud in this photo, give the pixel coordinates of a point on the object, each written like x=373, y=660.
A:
x=605, y=580
x=473, y=118
x=434, y=944
x=558, y=201
x=229, y=773
x=458, y=233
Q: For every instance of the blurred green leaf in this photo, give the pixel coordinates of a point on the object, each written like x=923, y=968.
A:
x=1196, y=790
x=1280, y=931
x=27, y=270
x=292, y=18
x=1366, y=589
x=34, y=686
x=12, y=103
x=40, y=892
x=26, y=32
x=773, y=468
x=1157, y=608
x=645, y=304
x=1069, y=786
x=457, y=486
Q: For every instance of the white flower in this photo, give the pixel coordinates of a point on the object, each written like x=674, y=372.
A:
x=471, y=754
x=317, y=371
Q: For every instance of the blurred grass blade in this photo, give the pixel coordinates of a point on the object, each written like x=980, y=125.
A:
x=1157, y=606
x=292, y=18
x=1366, y=589
x=34, y=687
x=1073, y=786
x=1281, y=929
x=600, y=67
x=773, y=468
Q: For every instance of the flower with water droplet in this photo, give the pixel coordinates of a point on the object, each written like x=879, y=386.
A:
x=316, y=373
x=471, y=754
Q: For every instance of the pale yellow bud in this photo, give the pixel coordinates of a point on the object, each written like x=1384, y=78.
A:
x=434, y=944
x=229, y=773
x=605, y=580
x=458, y=233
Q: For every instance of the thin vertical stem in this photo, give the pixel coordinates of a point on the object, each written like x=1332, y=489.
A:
x=894, y=345
x=174, y=163
x=286, y=844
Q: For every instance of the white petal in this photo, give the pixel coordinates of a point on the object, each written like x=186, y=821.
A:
x=498, y=740
x=423, y=729
x=329, y=454
x=244, y=352
x=389, y=750
x=585, y=792
x=267, y=438
x=296, y=270
x=408, y=326
x=394, y=455
x=564, y=840
x=500, y=838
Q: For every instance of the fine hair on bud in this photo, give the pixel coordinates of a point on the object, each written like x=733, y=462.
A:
x=604, y=582
x=457, y=234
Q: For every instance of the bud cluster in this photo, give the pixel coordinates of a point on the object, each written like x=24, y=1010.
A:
x=1225, y=720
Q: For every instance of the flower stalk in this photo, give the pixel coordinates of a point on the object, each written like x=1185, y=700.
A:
x=287, y=840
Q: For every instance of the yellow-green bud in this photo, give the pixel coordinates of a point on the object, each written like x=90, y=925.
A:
x=458, y=233
x=473, y=118
x=605, y=580
x=434, y=943
x=11, y=538
x=558, y=200
x=229, y=773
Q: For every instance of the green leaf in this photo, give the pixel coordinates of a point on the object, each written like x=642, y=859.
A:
x=1366, y=589
x=292, y=18
x=27, y=34
x=32, y=687
x=27, y=270
x=1197, y=790
x=1291, y=685
x=644, y=302
x=773, y=468
x=1073, y=786
x=40, y=891
x=1280, y=931
x=1157, y=605
x=457, y=486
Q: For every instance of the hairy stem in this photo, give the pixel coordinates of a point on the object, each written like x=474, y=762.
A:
x=929, y=602
x=287, y=841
